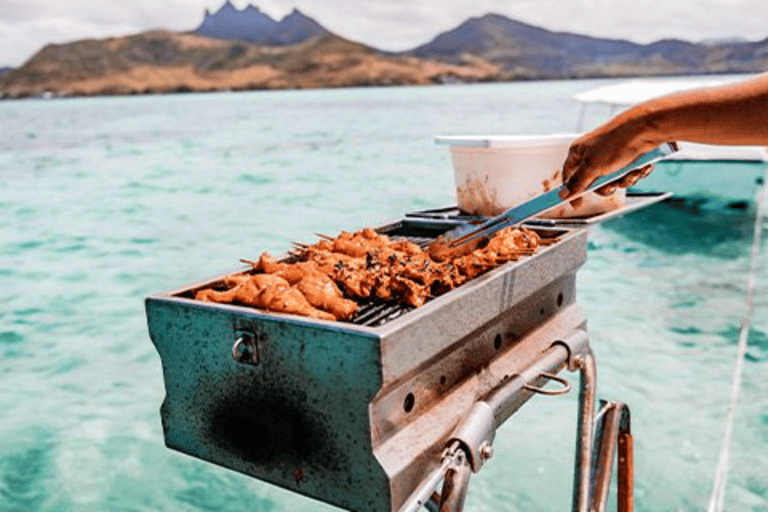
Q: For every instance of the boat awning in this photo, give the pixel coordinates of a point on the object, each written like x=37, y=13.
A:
x=691, y=152
x=637, y=91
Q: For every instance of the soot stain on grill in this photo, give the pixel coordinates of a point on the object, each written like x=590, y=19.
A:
x=271, y=430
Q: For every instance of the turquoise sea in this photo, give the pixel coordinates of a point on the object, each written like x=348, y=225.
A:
x=107, y=200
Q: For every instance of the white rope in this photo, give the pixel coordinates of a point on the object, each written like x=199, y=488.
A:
x=717, y=499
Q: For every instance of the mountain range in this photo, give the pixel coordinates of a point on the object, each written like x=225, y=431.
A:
x=253, y=26
x=526, y=50
x=247, y=49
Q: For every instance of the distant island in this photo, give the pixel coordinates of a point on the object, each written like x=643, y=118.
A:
x=246, y=49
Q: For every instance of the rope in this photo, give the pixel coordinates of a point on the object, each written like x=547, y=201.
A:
x=717, y=499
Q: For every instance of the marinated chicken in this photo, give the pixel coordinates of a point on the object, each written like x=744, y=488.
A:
x=264, y=291
x=331, y=276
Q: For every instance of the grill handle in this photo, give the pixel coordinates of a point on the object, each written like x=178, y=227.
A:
x=551, y=392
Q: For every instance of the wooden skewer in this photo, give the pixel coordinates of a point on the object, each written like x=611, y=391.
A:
x=320, y=235
x=249, y=262
x=300, y=245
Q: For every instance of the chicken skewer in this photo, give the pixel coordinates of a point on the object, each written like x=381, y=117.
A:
x=335, y=272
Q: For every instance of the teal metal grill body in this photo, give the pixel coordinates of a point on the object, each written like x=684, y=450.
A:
x=349, y=414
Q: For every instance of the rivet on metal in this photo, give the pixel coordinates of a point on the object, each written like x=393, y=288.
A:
x=486, y=451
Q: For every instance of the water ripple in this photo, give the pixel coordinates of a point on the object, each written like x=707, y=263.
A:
x=25, y=470
x=11, y=337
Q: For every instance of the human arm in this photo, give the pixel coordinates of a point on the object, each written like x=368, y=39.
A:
x=733, y=114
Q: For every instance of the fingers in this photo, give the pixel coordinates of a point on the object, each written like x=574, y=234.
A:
x=578, y=182
x=573, y=161
x=608, y=189
x=573, y=178
x=627, y=181
x=646, y=171
x=579, y=171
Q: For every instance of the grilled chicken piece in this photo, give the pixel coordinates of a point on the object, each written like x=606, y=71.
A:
x=295, y=272
x=512, y=243
x=322, y=293
x=412, y=293
x=359, y=243
x=264, y=291
x=268, y=264
x=287, y=299
x=211, y=295
x=233, y=283
x=365, y=264
x=317, y=288
x=356, y=282
x=328, y=262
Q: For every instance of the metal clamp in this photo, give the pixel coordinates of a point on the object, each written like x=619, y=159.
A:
x=454, y=471
x=455, y=482
x=578, y=349
x=551, y=392
x=246, y=349
x=476, y=433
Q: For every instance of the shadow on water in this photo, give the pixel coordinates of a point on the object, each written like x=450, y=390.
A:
x=24, y=471
x=757, y=342
x=678, y=227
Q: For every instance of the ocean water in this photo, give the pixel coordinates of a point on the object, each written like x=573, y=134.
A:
x=107, y=200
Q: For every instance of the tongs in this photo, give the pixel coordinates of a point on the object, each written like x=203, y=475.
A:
x=466, y=233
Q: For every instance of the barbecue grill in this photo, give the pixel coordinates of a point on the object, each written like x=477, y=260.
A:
x=374, y=413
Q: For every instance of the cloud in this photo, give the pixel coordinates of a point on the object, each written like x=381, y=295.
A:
x=20, y=40
x=27, y=25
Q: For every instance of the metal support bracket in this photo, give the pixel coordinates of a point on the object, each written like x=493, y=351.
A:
x=471, y=443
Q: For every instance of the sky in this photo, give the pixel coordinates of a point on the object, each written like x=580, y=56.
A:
x=27, y=25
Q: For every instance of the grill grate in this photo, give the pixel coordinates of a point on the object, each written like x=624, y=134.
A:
x=377, y=312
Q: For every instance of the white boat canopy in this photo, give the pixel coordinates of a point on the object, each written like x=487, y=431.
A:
x=637, y=91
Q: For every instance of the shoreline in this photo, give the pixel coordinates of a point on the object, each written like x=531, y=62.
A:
x=66, y=91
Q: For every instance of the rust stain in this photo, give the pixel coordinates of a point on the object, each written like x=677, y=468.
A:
x=298, y=475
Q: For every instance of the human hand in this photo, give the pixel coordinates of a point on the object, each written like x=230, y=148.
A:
x=603, y=151
x=627, y=181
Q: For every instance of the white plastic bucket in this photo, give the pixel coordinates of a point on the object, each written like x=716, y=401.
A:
x=495, y=173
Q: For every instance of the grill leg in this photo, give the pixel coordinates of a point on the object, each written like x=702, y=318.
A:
x=455, y=488
x=612, y=431
x=583, y=463
x=596, y=445
x=626, y=470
